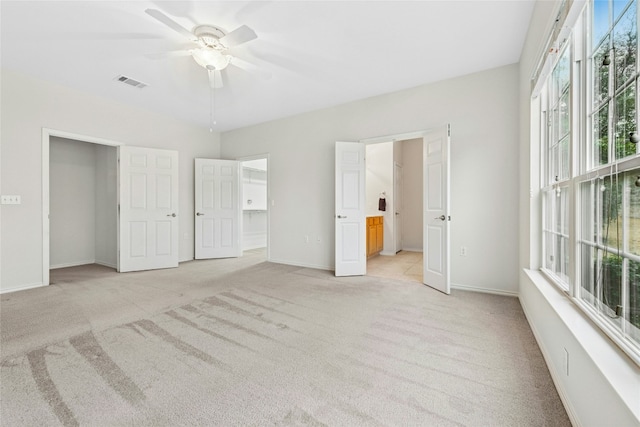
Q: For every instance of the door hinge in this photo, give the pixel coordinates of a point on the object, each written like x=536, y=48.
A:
x=449, y=217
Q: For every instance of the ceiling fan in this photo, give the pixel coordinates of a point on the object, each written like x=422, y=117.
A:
x=211, y=50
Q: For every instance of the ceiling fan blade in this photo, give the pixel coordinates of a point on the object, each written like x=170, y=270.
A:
x=155, y=13
x=215, y=78
x=238, y=36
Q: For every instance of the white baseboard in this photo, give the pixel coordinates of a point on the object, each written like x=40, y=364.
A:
x=72, y=264
x=22, y=288
x=107, y=264
x=254, y=246
x=413, y=249
x=301, y=264
x=484, y=290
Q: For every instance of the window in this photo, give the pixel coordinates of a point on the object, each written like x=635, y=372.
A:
x=591, y=169
x=556, y=118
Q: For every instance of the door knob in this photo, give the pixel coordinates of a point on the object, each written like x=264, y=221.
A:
x=173, y=215
x=340, y=216
x=199, y=214
x=441, y=217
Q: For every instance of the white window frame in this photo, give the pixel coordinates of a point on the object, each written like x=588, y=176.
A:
x=582, y=169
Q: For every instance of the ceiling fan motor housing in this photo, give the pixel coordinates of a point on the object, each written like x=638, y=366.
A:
x=209, y=36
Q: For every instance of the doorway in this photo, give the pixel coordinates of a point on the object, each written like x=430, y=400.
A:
x=82, y=183
x=394, y=173
x=351, y=248
x=255, y=204
x=47, y=136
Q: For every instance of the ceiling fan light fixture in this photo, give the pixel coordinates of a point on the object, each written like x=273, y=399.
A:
x=208, y=57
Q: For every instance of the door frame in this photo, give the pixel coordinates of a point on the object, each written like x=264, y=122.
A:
x=265, y=156
x=394, y=138
x=422, y=134
x=397, y=206
x=47, y=133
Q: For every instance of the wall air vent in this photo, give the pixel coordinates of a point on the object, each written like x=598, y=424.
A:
x=131, y=82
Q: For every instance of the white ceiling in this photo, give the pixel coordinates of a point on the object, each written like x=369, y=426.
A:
x=315, y=54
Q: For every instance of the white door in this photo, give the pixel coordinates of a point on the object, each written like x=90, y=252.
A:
x=350, y=239
x=148, y=208
x=397, y=206
x=436, y=209
x=218, y=209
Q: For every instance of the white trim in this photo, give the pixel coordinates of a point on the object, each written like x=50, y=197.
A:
x=22, y=288
x=107, y=264
x=547, y=56
x=303, y=265
x=484, y=290
x=396, y=137
x=252, y=247
x=47, y=133
x=72, y=264
x=421, y=250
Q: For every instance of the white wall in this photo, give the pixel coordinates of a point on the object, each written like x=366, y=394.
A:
x=379, y=179
x=412, y=195
x=483, y=111
x=73, y=208
x=379, y=176
x=27, y=105
x=603, y=385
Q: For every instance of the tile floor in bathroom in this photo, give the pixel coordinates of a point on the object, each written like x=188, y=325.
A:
x=405, y=265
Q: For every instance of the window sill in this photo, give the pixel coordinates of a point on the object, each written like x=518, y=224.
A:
x=555, y=281
x=591, y=315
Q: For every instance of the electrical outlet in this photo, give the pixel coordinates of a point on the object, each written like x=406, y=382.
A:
x=318, y=239
x=306, y=239
x=11, y=200
x=463, y=251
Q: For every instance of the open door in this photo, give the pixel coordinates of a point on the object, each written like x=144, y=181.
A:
x=436, y=209
x=148, y=208
x=350, y=238
x=218, y=209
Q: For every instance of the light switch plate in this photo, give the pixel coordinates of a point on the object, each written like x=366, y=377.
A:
x=10, y=200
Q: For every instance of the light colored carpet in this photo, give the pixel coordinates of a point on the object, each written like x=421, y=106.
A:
x=244, y=342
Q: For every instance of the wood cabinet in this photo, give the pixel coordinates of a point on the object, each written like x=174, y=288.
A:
x=375, y=235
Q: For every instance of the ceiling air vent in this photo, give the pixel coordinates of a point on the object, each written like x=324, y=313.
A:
x=131, y=82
